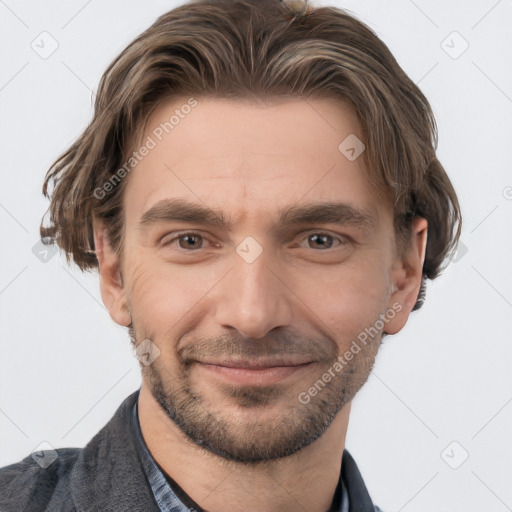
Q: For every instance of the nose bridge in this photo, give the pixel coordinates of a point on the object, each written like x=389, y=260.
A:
x=253, y=299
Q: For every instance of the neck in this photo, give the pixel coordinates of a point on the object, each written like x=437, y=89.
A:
x=305, y=480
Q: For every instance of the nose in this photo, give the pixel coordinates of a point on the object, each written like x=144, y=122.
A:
x=253, y=299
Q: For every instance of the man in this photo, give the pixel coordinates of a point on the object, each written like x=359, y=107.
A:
x=260, y=194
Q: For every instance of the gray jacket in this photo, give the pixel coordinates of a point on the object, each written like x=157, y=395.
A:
x=107, y=475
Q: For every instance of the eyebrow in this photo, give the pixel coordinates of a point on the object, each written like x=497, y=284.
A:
x=177, y=209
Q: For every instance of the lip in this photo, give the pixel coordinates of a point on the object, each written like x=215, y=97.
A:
x=253, y=374
x=254, y=363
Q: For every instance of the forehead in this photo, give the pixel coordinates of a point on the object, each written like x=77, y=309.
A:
x=248, y=158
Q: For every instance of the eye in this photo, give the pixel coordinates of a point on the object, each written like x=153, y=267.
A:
x=325, y=241
x=187, y=241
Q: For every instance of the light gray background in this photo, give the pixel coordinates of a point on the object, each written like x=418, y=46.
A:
x=65, y=366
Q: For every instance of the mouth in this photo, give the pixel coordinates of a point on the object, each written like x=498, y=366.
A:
x=254, y=373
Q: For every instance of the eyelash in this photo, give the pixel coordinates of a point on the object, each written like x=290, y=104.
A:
x=343, y=240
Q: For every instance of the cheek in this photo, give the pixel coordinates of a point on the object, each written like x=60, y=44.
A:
x=162, y=294
x=347, y=299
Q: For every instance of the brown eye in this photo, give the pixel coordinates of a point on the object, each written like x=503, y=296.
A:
x=190, y=241
x=187, y=241
x=323, y=241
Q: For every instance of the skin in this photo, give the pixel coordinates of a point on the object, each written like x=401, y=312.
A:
x=253, y=447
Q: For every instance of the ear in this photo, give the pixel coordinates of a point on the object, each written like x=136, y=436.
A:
x=111, y=283
x=406, y=277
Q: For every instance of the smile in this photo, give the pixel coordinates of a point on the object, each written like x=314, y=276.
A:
x=254, y=376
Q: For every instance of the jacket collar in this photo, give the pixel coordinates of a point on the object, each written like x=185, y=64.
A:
x=108, y=474
x=358, y=495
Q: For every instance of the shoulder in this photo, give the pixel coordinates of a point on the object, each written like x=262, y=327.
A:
x=34, y=481
x=105, y=471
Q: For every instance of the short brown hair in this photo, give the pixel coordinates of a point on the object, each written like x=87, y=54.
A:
x=240, y=49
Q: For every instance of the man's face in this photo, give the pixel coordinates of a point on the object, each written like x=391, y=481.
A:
x=269, y=289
